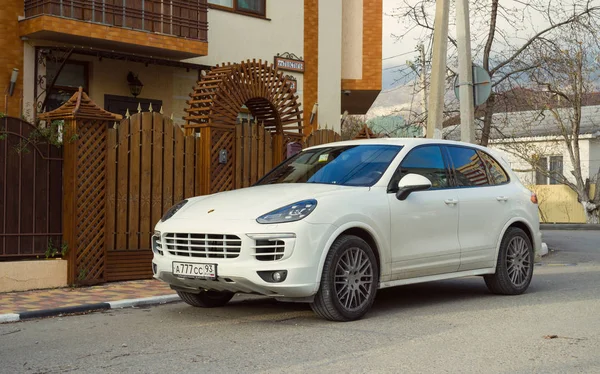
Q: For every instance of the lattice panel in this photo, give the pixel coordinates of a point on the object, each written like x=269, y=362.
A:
x=90, y=202
x=222, y=175
x=220, y=94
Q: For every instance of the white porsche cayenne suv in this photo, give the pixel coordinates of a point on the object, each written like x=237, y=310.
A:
x=336, y=222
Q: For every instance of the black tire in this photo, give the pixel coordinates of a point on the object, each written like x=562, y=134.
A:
x=206, y=299
x=352, y=296
x=514, y=268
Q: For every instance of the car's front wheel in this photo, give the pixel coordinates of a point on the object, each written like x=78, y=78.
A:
x=206, y=298
x=349, y=280
x=514, y=268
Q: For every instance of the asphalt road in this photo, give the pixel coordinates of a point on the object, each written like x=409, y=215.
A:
x=441, y=327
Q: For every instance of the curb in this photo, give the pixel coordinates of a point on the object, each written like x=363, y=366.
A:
x=568, y=226
x=85, y=308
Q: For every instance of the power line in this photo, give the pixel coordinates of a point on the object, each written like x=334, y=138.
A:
x=401, y=54
x=394, y=67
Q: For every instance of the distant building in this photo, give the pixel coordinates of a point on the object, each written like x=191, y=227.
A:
x=394, y=126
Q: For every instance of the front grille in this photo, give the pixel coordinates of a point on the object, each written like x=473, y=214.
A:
x=269, y=250
x=156, y=245
x=203, y=245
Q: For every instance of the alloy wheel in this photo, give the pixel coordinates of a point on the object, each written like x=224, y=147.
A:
x=353, y=281
x=518, y=261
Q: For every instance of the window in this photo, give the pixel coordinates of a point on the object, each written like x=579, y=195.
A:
x=556, y=168
x=257, y=7
x=541, y=171
x=73, y=75
x=361, y=165
x=468, y=167
x=547, y=170
x=495, y=172
x=426, y=161
x=225, y=3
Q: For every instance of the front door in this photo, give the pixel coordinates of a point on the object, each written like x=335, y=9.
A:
x=424, y=227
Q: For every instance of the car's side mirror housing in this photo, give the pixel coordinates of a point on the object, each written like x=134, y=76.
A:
x=411, y=183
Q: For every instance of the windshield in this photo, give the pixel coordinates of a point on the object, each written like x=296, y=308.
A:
x=356, y=165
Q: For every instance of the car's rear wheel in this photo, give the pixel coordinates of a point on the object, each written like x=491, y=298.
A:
x=514, y=268
x=206, y=298
x=349, y=281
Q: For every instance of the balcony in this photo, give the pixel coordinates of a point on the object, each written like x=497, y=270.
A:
x=165, y=28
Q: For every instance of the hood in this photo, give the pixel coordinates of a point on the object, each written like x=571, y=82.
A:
x=253, y=202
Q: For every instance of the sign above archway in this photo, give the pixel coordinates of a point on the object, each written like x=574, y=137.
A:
x=290, y=62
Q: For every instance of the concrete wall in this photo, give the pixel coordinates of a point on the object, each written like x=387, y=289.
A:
x=352, y=39
x=32, y=275
x=330, y=63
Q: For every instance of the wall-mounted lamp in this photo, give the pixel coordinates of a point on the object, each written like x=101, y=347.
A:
x=313, y=113
x=135, y=85
x=13, y=81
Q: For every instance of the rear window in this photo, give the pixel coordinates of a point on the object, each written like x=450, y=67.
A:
x=496, y=173
x=469, y=169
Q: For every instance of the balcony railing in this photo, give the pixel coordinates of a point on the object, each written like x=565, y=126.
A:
x=182, y=18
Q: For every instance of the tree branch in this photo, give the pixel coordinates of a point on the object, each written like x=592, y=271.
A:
x=539, y=34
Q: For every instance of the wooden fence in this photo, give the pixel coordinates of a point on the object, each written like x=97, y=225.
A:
x=322, y=136
x=253, y=153
x=151, y=166
x=30, y=191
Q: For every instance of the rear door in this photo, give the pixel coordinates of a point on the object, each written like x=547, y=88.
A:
x=485, y=199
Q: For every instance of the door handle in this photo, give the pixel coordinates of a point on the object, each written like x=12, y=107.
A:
x=451, y=201
x=502, y=198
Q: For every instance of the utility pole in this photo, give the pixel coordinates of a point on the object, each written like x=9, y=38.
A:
x=465, y=72
x=438, y=69
x=423, y=82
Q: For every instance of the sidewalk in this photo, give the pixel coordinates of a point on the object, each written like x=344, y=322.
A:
x=15, y=306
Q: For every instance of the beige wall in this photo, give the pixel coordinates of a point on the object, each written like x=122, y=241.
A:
x=352, y=39
x=171, y=85
x=545, y=147
x=558, y=204
x=330, y=63
x=32, y=275
x=234, y=37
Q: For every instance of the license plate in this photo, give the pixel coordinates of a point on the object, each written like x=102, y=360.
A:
x=186, y=269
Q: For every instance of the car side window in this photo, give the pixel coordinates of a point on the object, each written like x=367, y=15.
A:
x=468, y=167
x=496, y=172
x=426, y=161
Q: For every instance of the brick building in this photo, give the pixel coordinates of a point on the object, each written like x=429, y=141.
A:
x=165, y=44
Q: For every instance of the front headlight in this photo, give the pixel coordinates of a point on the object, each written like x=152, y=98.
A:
x=174, y=209
x=289, y=213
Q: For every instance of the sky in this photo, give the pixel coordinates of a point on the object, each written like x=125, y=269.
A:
x=392, y=48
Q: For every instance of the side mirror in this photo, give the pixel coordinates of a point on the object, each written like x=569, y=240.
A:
x=411, y=183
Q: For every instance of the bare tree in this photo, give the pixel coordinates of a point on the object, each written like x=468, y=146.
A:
x=502, y=33
x=566, y=70
x=351, y=126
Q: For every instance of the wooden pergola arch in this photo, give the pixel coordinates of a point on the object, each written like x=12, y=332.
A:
x=220, y=94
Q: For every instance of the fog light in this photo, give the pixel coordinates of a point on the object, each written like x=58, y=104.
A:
x=276, y=276
x=154, y=268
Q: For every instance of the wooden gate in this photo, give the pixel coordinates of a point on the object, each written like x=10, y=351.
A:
x=30, y=191
x=253, y=153
x=151, y=166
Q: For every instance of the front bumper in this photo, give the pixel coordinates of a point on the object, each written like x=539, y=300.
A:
x=300, y=259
